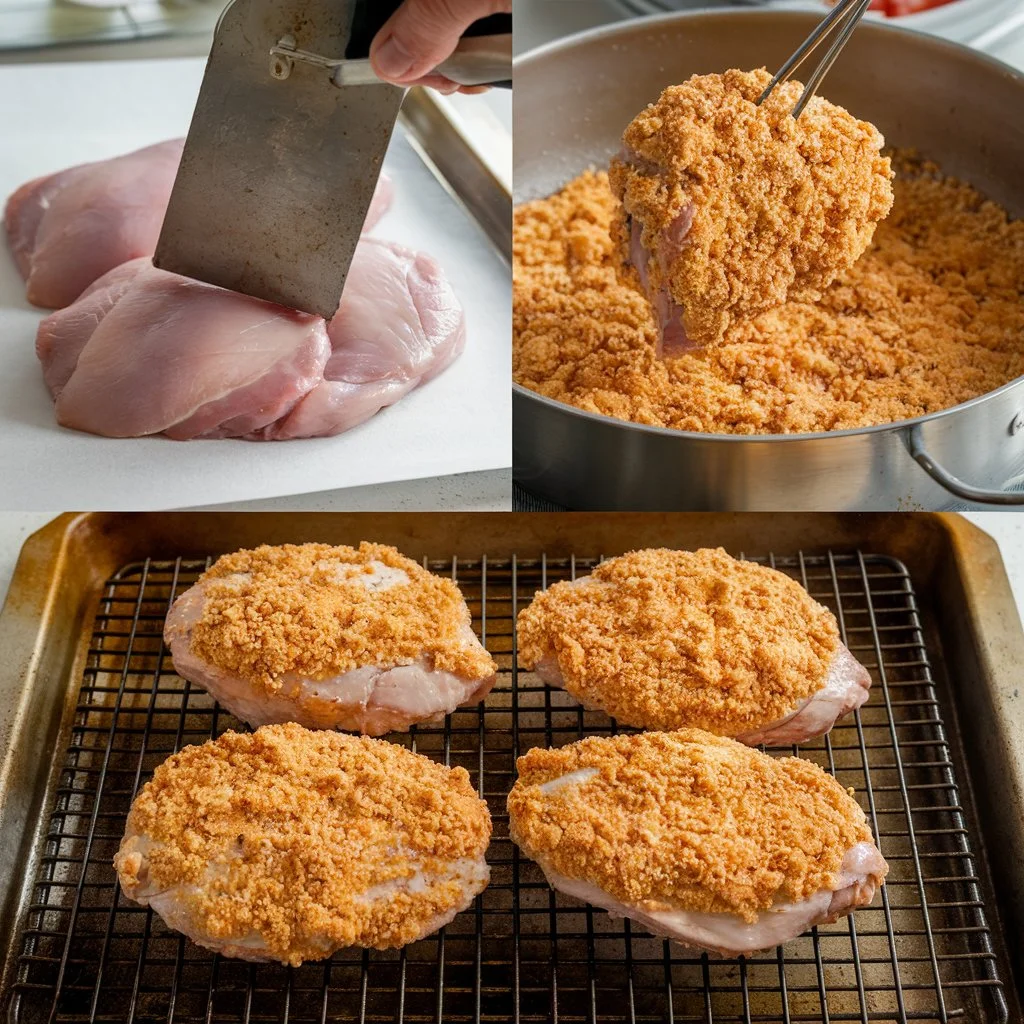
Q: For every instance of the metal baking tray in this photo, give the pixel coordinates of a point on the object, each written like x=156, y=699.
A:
x=89, y=705
x=459, y=165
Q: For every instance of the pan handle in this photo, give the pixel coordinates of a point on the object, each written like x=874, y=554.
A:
x=952, y=483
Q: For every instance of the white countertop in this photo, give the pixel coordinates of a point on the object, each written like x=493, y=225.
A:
x=458, y=424
x=1006, y=527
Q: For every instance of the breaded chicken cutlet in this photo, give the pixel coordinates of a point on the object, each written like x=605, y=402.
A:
x=695, y=837
x=730, y=208
x=287, y=844
x=362, y=639
x=663, y=639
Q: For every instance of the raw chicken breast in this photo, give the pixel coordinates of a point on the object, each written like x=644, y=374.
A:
x=68, y=229
x=668, y=314
x=310, y=842
x=847, y=687
x=144, y=352
x=664, y=639
x=732, y=206
x=398, y=325
x=697, y=838
x=393, y=643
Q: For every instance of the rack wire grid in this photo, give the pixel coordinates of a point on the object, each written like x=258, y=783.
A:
x=921, y=952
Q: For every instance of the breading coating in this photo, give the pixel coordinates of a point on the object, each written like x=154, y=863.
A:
x=743, y=207
x=308, y=609
x=931, y=316
x=662, y=639
x=687, y=821
x=286, y=832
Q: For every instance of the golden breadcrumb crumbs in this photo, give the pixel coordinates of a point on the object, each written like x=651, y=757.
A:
x=683, y=638
x=300, y=824
x=931, y=316
x=686, y=821
x=307, y=609
x=740, y=206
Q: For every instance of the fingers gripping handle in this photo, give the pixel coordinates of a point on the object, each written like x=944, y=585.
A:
x=483, y=55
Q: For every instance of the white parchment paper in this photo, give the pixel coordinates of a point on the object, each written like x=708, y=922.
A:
x=53, y=116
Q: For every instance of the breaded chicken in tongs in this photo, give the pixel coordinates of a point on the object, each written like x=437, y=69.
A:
x=362, y=639
x=664, y=639
x=287, y=844
x=695, y=837
x=730, y=208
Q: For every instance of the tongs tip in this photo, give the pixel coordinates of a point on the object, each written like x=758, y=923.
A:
x=846, y=14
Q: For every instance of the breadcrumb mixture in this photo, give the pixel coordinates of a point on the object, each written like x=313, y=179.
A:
x=307, y=609
x=779, y=204
x=686, y=821
x=683, y=638
x=304, y=823
x=931, y=316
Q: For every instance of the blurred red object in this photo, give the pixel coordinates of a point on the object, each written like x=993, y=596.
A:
x=897, y=8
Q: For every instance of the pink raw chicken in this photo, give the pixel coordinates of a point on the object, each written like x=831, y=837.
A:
x=146, y=352
x=373, y=698
x=860, y=874
x=398, y=325
x=847, y=686
x=68, y=229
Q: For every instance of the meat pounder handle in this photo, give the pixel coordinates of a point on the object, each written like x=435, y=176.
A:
x=483, y=56
x=482, y=59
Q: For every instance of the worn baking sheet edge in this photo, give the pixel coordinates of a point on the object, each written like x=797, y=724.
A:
x=459, y=166
x=988, y=640
x=42, y=638
x=43, y=635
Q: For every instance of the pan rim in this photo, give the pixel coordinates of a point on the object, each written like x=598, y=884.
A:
x=756, y=14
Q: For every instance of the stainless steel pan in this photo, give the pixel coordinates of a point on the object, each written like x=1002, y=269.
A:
x=964, y=109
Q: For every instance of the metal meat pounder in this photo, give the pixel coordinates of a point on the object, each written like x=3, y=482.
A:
x=281, y=159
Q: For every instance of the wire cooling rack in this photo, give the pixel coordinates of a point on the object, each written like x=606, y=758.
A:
x=921, y=952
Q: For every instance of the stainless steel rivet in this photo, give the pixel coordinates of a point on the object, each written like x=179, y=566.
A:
x=280, y=64
x=280, y=67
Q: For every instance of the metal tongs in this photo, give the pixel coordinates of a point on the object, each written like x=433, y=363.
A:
x=844, y=17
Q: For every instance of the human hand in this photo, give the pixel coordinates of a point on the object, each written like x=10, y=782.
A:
x=423, y=33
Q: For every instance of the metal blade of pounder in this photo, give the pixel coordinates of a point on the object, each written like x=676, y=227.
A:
x=277, y=174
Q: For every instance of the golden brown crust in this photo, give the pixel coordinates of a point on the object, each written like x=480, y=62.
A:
x=781, y=204
x=683, y=638
x=293, y=614
x=930, y=317
x=319, y=818
x=686, y=820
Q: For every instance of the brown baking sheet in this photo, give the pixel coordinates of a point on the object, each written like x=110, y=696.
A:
x=89, y=705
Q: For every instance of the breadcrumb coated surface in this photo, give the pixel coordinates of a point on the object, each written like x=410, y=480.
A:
x=294, y=614
x=780, y=204
x=686, y=821
x=931, y=316
x=683, y=638
x=306, y=821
